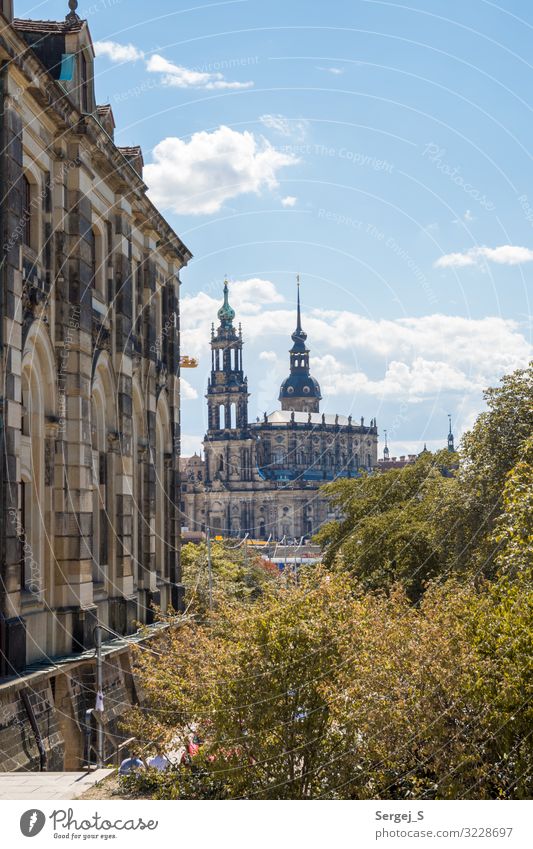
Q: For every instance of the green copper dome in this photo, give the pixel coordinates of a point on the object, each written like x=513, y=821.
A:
x=226, y=313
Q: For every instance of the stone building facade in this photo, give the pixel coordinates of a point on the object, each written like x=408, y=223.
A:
x=263, y=478
x=90, y=363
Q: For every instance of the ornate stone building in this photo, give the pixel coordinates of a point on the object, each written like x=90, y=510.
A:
x=90, y=386
x=263, y=478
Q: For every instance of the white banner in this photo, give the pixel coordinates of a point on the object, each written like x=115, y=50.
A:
x=276, y=825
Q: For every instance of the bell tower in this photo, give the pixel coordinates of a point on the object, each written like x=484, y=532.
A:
x=227, y=390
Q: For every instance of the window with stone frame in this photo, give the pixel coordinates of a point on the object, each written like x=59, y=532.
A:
x=27, y=213
x=84, y=82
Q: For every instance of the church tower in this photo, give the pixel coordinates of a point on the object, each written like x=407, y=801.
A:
x=300, y=392
x=227, y=390
x=451, y=441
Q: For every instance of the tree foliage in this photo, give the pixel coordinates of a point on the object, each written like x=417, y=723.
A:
x=235, y=572
x=438, y=516
x=400, y=668
x=322, y=690
x=390, y=530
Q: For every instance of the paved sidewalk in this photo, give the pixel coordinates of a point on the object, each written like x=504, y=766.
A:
x=48, y=785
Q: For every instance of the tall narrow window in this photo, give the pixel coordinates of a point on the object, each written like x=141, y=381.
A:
x=26, y=211
x=109, y=230
x=24, y=513
x=91, y=240
x=84, y=83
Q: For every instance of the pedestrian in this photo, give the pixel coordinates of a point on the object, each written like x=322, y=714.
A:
x=159, y=762
x=130, y=764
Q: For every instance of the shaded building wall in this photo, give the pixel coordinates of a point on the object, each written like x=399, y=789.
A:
x=90, y=391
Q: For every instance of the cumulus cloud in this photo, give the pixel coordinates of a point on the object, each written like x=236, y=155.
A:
x=295, y=128
x=177, y=76
x=415, y=381
x=268, y=356
x=289, y=201
x=503, y=255
x=188, y=392
x=250, y=295
x=191, y=444
x=413, y=359
x=198, y=176
x=116, y=52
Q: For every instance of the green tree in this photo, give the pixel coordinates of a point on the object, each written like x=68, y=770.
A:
x=321, y=690
x=389, y=530
x=237, y=573
x=489, y=452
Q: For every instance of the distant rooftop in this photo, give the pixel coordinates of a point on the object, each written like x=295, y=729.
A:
x=48, y=26
x=283, y=417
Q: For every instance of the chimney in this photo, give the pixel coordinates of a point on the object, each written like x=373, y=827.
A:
x=7, y=9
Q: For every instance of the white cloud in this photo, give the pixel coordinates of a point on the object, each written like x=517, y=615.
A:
x=198, y=176
x=190, y=444
x=332, y=70
x=503, y=255
x=289, y=201
x=118, y=52
x=413, y=382
x=412, y=359
x=250, y=295
x=176, y=76
x=268, y=356
x=296, y=128
x=247, y=297
x=188, y=392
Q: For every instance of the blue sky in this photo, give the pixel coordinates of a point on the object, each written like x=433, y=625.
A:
x=380, y=149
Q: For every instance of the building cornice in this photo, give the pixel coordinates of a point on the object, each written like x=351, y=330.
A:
x=74, y=125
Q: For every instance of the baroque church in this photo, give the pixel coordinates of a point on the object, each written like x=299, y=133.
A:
x=264, y=478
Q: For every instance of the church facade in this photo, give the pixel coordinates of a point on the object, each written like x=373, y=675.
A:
x=264, y=478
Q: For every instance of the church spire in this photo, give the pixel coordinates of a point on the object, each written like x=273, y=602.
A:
x=226, y=313
x=300, y=392
x=451, y=442
x=386, y=452
x=299, y=336
x=299, y=319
